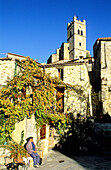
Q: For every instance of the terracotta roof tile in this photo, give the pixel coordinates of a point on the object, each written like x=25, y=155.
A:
x=5, y=58
x=105, y=38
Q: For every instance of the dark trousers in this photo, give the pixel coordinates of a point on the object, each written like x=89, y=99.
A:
x=35, y=157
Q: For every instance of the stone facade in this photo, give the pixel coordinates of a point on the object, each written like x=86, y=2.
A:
x=16, y=57
x=62, y=53
x=73, y=72
x=70, y=64
x=76, y=43
x=102, y=67
x=8, y=69
x=76, y=37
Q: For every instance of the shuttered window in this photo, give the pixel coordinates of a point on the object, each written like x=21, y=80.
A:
x=60, y=99
x=43, y=132
x=60, y=73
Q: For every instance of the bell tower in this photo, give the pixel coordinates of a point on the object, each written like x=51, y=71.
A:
x=76, y=37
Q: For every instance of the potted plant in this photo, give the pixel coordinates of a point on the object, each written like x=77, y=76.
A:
x=17, y=150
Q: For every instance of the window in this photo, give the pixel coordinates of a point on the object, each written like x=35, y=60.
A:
x=81, y=74
x=60, y=99
x=81, y=32
x=109, y=89
x=60, y=73
x=78, y=31
x=80, y=44
x=43, y=132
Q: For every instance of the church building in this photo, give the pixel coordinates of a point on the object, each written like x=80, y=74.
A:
x=71, y=65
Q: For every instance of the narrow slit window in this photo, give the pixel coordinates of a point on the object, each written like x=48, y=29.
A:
x=78, y=31
x=80, y=44
x=60, y=73
x=81, y=32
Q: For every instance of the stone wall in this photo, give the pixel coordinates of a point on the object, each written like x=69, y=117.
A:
x=62, y=53
x=76, y=37
x=102, y=54
x=75, y=74
x=43, y=143
x=53, y=71
x=6, y=70
x=28, y=126
x=16, y=57
x=66, y=51
x=106, y=75
x=8, y=67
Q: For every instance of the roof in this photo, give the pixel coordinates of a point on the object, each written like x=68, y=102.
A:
x=104, y=39
x=21, y=56
x=5, y=58
x=16, y=55
x=64, y=63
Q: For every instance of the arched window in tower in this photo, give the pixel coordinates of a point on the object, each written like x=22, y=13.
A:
x=80, y=44
x=81, y=32
x=78, y=31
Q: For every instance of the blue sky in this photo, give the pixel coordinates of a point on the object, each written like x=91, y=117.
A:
x=36, y=28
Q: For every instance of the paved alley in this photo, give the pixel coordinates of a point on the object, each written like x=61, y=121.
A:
x=55, y=160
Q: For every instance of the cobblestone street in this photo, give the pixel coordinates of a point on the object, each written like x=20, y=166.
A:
x=55, y=160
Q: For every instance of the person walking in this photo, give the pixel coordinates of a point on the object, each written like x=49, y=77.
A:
x=31, y=148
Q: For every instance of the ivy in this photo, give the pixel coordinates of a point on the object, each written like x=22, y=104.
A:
x=18, y=102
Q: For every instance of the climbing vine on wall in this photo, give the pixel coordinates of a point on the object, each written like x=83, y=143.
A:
x=16, y=102
x=31, y=91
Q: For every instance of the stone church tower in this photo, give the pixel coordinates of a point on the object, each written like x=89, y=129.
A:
x=76, y=37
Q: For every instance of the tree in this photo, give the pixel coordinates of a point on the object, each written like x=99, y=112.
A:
x=88, y=55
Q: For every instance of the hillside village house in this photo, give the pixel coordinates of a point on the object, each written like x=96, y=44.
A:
x=102, y=70
x=8, y=69
x=71, y=64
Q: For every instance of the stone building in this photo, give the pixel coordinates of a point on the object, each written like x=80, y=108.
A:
x=76, y=37
x=73, y=72
x=9, y=68
x=76, y=43
x=102, y=70
x=62, y=53
x=71, y=65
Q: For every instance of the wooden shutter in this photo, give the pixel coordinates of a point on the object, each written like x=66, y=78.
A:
x=43, y=132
